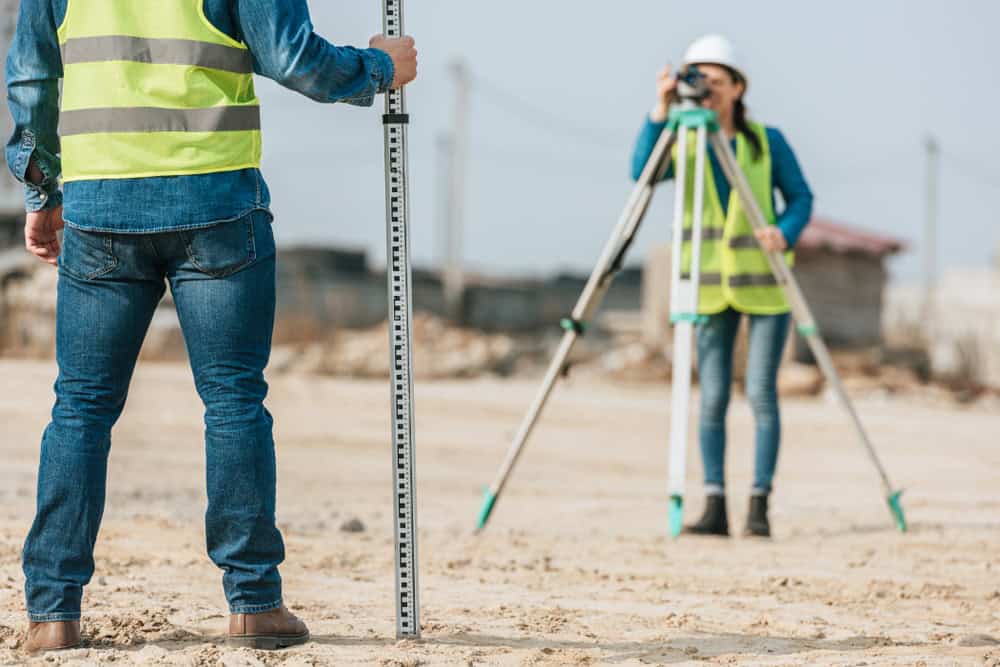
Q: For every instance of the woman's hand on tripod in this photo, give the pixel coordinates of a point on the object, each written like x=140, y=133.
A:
x=771, y=239
x=666, y=88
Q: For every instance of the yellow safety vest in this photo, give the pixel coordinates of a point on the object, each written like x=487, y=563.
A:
x=734, y=271
x=152, y=88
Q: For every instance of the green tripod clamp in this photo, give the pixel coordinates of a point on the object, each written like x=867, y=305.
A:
x=692, y=119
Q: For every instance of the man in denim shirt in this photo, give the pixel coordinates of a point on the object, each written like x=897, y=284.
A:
x=160, y=144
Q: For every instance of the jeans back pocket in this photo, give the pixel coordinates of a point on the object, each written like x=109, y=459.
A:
x=87, y=255
x=222, y=250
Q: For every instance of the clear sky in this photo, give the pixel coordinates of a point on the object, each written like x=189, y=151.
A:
x=855, y=86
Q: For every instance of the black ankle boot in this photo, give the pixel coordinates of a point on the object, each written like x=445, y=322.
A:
x=757, y=523
x=714, y=521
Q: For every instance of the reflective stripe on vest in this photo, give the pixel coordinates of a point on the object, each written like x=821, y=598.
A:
x=146, y=119
x=743, y=280
x=734, y=271
x=153, y=89
x=156, y=52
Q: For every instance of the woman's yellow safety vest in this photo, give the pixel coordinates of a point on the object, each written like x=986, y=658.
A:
x=153, y=89
x=734, y=270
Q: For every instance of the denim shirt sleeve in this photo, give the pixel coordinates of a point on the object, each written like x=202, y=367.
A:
x=791, y=183
x=286, y=49
x=34, y=67
x=644, y=145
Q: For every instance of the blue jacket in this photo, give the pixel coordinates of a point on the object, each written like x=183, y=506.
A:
x=786, y=175
x=280, y=36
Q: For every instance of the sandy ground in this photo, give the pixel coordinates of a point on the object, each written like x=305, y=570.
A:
x=575, y=567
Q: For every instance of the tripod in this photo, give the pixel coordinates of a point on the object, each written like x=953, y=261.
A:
x=687, y=118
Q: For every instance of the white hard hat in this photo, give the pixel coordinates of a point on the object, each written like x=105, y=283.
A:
x=714, y=50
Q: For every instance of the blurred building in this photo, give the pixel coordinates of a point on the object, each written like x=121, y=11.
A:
x=961, y=333
x=320, y=289
x=325, y=289
x=841, y=270
x=11, y=229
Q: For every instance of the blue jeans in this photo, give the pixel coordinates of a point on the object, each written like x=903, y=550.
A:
x=716, y=338
x=223, y=283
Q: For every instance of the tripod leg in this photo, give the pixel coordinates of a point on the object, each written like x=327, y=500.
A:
x=684, y=314
x=805, y=322
x=597, y=286
x=679, y=422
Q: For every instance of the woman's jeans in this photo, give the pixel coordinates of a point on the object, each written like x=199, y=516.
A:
x=222, y=281
x=716, y=339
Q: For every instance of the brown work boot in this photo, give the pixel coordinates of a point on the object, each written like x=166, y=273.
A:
x=52, y=636
x=278, y=628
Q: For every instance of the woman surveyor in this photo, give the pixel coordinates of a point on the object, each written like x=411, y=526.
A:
x=735, y=280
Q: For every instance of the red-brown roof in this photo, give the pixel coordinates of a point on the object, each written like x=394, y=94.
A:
x=822, y=234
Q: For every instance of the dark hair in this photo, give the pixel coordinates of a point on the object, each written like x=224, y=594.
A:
x=740, y=120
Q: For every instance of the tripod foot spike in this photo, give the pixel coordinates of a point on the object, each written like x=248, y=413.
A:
x=676, y=515
x=896, y=507
x=489, y=500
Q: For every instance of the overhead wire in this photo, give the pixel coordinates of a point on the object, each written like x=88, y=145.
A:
x=542, y=118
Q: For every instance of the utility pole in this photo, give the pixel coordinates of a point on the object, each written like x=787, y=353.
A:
x=442, y=215
x=931, y=231
x=454, y=279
